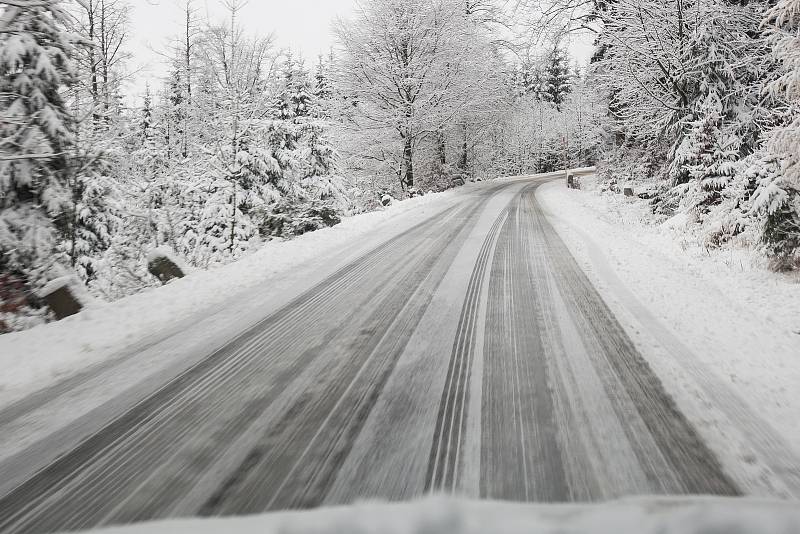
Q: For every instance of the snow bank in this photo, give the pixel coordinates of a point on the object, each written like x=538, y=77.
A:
x=722, y=332
x=35, y=358
x=449, y=516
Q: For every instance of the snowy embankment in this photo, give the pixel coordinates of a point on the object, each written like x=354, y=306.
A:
x=449, y=516
x=35, y=358
x=721, y=332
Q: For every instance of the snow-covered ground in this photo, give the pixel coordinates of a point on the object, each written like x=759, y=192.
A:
x=437, y=515
x=722, y=332
x=35, y=358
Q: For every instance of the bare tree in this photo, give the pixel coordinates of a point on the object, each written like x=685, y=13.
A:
x=104, y=27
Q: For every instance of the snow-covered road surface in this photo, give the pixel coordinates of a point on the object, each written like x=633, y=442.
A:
x=468, y=354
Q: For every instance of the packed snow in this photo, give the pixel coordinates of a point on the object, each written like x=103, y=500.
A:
x=438, y=515
x=721, y=330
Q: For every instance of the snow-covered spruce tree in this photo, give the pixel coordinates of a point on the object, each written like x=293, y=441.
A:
x=323, y=90
x=316, y=161
x=315, y=194
x=319, y=195
x=778, y=195
x=36, y=136
x=146, y=117
x=322, y=82
x=243, y=168
x=283, y=107
x=713, y=161
x=95, y=220
x=294, y=101
x=301, y=92
x=557, y=78
x=242, y=192
x=104, y=133
x=176, y=112
x=703, y=158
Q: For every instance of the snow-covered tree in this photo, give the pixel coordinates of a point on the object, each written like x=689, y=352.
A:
x=557, y=80
x=36, y=134
x=406, y=69
x=103, y=26
x=778, y=194
x=323, y=88
x=705, y=153
x=146, y=120
x=94, y=220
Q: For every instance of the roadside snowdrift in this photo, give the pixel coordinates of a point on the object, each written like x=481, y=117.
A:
x=449, y=516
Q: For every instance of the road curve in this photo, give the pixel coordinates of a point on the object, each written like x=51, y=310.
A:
x=467, y=355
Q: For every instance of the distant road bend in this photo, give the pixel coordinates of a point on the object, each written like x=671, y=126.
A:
x=467, y=355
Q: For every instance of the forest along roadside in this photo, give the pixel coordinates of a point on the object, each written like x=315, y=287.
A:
x=706, y=325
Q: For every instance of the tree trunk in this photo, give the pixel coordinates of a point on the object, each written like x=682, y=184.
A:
x=441, y=147
x=104, y=52
x=463, y=160
x=188, y=67
x=407, y=178
x=93, y=69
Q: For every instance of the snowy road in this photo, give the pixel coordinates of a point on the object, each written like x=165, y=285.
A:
x=468, y=354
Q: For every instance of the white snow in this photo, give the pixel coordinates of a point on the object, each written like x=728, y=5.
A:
x=36, y=358
x=438, y=515
x=167, y=253
x=676, y=222
x=55, y=285
x=722, y=332
x=76, y=287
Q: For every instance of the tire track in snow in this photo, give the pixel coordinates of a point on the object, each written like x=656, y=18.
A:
x=448, y=435
x=695, y=468
x=521, y=456
x=273, y=481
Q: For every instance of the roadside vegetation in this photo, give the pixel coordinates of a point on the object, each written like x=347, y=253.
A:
x=702, y=113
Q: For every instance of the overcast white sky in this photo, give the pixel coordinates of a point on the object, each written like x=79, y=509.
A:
x=303, y=25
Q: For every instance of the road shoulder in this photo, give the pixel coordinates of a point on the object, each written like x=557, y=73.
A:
x=728, y=361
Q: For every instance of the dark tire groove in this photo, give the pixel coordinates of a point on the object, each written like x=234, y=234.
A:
x=448, y=434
